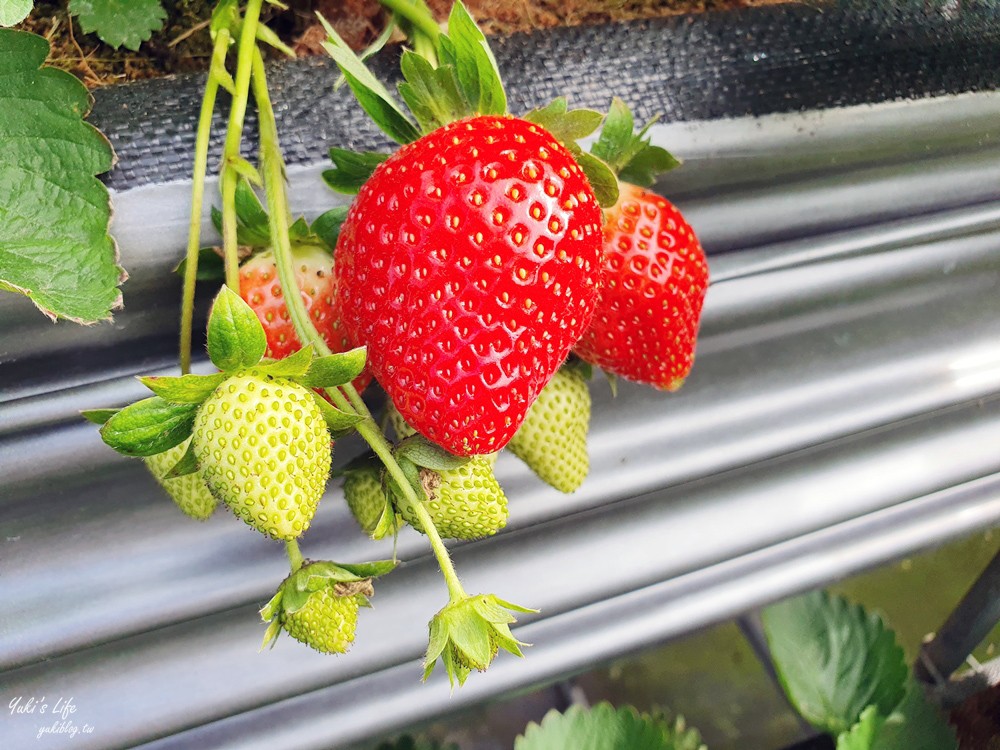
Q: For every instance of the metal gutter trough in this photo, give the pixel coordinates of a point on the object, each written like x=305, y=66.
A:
x=844, y=409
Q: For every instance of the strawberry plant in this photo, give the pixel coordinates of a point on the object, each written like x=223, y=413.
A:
x=54, y=242
x=844, y=672
x=601, y=727
x=120, y=23
x=468, y=266
x=471, y=300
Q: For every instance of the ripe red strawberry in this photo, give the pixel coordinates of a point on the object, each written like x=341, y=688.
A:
x=469, y=264
x=646, y=322
x=260, y=288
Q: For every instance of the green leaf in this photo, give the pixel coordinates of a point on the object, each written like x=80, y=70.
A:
x=445, y=51
x=412, y=473
x=339, y=422
x=54, y=213
x=119, y=23
x=293, y=366
x=369, y=569
x=148, y=427
x=616, y=136
x=862, y=735
x=612, y=382
x=388, y=522
x=335, y=369
x=14, y=11
x=187, y=389
x=246, y=170
x=629, y=154
x=249, y=210
x=647, y=165
x=211, y=266
x=599, y=728
x=187, y=464
x=235, y=336
x=252, y=227
x=268, y=37
x=916, y=724
x=373, y=97
x=98, y=416
x=432, y=94
x=327, y=225
x=474, y=63
x=376, y=46
x=315, y=576
x=423, y=452
x=352, y=169
x=602, y=179
x=271, y=634
x=299, y=231
x=270, y=610
x=834, y=659
x=568, y=126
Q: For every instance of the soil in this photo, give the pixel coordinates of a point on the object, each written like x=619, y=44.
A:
x=183, y=45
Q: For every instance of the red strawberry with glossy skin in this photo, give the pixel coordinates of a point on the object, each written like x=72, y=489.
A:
x=261, y=289
x=470, y=264
x=647, y=319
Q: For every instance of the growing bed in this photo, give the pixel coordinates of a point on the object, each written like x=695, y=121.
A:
x=842, y=170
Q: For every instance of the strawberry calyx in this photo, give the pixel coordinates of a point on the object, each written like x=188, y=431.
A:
x=629, y=153
x=309, y=583
x=468, y=633
x=236, y=344
x=569, y=126
x=456, y=79
x=416, y=455
x=463, y=81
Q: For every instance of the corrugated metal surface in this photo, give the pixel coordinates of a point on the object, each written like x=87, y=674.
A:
x=843, y=411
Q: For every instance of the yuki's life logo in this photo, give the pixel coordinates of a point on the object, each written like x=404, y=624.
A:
x=57, y=717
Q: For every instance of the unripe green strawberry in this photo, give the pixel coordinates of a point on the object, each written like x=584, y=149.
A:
x=464, y=503
x=399, y=425
x=189, y=491
x=403, y=430
x=553, y=439
x=327, y=622
x=366, y=500
x=264, y=449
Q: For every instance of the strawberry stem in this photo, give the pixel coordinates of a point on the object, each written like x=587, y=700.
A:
x=294, y=554
x=346, y=398
x=369, y=430
x=197, y=201
x=234, y=136
x=277, y=206
x=417, y=13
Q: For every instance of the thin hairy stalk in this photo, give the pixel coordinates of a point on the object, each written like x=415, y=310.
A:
x=346, y=398
x=294, y=554
x=234, y=136
x=417, y=13
x=197, y=202
x=368, y=429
